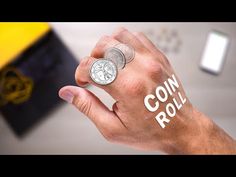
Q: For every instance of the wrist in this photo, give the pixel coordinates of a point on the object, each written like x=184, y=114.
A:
x=197, y=139
x=203, y=136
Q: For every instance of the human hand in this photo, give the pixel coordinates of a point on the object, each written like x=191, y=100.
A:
x=152, y=111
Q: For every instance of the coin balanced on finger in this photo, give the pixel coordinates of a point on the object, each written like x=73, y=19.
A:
x=104, y=71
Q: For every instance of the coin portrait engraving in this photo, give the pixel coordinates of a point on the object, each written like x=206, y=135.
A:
x=103, y=71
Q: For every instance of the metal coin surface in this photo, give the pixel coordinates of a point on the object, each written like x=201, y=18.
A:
x=127, y=50
x=117, y=56
x=103, y=71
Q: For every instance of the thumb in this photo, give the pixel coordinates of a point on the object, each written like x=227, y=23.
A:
x=90, y=105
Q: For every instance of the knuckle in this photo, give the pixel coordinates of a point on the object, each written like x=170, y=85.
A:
x=83, y=105
x=153, y=67
x=83, y=66
x=110, y=136
x=119, y=31
x=85, y=62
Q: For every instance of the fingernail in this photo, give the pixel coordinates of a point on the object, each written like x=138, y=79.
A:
x=67, y=96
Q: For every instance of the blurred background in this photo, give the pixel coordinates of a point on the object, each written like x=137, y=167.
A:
x=64, y=130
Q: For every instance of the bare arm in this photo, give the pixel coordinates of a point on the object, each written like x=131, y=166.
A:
x=210, y=140
x=152, y=111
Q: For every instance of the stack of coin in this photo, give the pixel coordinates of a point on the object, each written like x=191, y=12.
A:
x=127, y=50
x=104, y=71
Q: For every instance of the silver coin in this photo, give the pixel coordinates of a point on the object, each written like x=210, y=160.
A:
x=117, y=56
x=127, y=50
x=103, y=71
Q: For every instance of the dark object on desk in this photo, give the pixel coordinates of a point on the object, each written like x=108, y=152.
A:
x=40, y=72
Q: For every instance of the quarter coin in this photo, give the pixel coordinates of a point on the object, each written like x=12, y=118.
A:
x=117, y=56
x=103, y=71
x=127, y=50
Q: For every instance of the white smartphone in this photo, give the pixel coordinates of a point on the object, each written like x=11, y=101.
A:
x=214, y=53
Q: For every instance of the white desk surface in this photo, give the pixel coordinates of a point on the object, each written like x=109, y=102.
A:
x=67, y=131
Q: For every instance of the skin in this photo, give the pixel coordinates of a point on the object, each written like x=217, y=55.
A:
x=129, y=122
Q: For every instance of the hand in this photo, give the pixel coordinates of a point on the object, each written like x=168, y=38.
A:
x=135, y=122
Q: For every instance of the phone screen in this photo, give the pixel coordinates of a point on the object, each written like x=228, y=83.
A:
x=214, y=53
